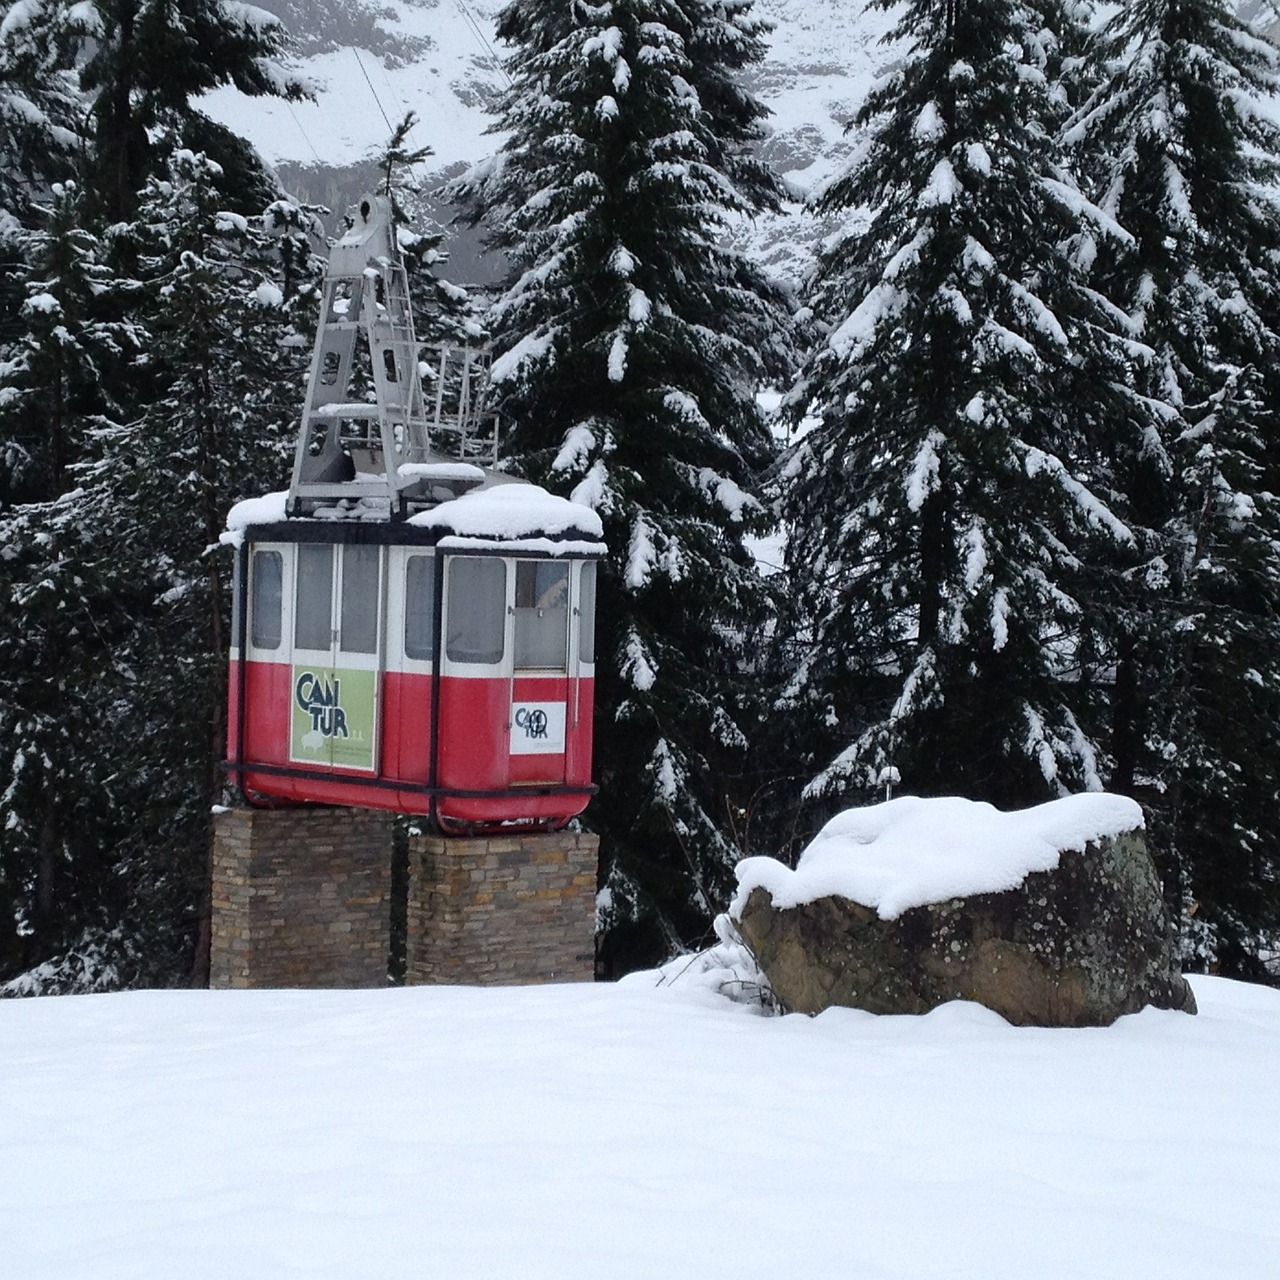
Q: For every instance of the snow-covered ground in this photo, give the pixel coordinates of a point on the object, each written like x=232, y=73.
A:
x=604, y=1132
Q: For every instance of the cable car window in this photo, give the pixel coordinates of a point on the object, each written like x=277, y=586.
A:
x=313, y=609
x=587, y=613
x=268, y=581
x=477, y=609
x=419, y=600
x=235, y=601
x=542, y=614
x=359, y=632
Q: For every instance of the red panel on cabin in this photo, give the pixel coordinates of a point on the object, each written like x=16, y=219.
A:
x=406, y=728
x=473, y=733
x=474, y=755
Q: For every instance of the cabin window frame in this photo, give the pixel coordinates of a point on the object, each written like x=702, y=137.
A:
x=541, y=608
x=495, y=624
x=422, y=617
x=266, y=612
x=583, y=627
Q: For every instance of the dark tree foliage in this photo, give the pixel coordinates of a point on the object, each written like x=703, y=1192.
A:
x=39, y=104
x=225, y=369
x=142, y=583
x=38, y=146
x=54, y=755
x=58, y=371
x=631, y=346
x=942, y=510
x=148, y=60
x=443, y=311
x=1180, y=152
x=151, y=363
x=128, y=442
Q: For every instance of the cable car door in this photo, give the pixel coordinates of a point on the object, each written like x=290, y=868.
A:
x=336, y=644
x=540, y=672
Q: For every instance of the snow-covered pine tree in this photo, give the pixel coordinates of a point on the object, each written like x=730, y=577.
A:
x=631, y=342
x=53, y=757
x=39, y=105
x=56, y=370
x=941, y=512
x=127, y=609
x=722, y=40
x=1183, y=153
x=224, y=365
x=148, y=61
x=39, y=98
x=443, y=311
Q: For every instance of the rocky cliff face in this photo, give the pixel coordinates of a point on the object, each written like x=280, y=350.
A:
x=441, y=59
x=373, y=60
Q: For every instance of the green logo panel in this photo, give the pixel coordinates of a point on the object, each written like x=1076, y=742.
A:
x=334, y=716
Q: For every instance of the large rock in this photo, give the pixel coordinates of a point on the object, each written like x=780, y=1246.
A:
x=1076, y=944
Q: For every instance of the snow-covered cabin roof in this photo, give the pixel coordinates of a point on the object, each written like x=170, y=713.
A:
x=523, y=516
x=506, y=513
x=910, y=852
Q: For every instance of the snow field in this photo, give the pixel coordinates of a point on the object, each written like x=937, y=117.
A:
x=627, y=1131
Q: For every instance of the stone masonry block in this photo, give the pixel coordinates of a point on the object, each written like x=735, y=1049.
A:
x=501, y=909
x=301, y=898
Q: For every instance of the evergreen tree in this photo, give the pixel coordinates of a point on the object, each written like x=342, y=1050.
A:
x=631, y=343
x=39, y=104
x=103, y=791
x=723, y=39
x=53, y=399
x=1183, y=154
x=113, y=746
x=38, y=141
x=57, y=372
x=226, y=366
x=943, y=510
x=148, y=61
x=443, y=311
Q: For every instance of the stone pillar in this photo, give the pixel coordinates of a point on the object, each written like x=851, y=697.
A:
x=502, y=909
x=301, y=898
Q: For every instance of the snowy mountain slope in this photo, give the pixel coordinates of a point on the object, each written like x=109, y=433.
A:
x=440, y=59
x=621, y=1131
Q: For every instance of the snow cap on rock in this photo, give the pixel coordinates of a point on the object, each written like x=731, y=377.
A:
x=910, y=852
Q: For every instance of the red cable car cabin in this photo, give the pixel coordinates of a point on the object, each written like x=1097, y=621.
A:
x=440, y=665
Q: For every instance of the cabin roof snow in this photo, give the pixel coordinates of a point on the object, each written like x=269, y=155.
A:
x=503, y=510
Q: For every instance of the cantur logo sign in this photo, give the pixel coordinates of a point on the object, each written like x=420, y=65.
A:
x=322, y=701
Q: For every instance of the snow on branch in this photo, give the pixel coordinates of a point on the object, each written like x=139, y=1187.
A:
x=1098, y=514
x=532, y=348
x=923, y=479
x=858, y=331
x=1040, y=315
x=578, y=443
x=1081, y=207
x=641, y=555
x=638, y=666
x=249, y=15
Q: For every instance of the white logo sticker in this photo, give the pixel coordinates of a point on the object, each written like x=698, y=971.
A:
x=537, y=728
